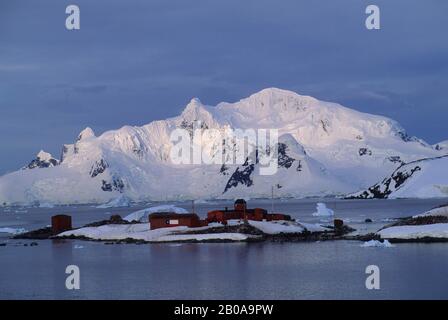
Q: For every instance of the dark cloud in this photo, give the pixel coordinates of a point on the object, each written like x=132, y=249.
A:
x=135, y=61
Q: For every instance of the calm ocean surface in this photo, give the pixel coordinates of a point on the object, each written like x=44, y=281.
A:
x=315, y=270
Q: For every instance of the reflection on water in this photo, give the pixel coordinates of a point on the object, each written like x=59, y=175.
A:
x=325, y=270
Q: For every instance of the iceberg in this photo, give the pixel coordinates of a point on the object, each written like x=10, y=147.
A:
x=323, y=211
x=376, y=243
x=121, y=201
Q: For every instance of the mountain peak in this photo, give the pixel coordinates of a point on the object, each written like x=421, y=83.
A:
x=274, y=91
x=44, y=156
x=195, y=110
x=43, y=160
x=194, y=104
x=195, y=101
x=86, y=133
x=273, y=95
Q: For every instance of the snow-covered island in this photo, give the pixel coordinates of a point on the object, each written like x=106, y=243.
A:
x=236, y=231
x=122, y=231
x=167, y=223
x=431, y=226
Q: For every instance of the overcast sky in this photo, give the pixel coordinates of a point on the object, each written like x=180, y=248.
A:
x=137, y=61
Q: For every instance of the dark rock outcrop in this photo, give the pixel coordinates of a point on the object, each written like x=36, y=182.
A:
x=42, y=160
x=115, y=185
x=98, y=168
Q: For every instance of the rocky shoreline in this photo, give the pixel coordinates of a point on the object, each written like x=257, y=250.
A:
x=253, y=234
x=246, y=233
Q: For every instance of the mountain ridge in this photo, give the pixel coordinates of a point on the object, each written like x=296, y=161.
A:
x=344, y=150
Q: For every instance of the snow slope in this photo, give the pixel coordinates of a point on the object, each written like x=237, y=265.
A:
x=436, y=212
x=437, y=230
x=426, y=178
x=324, y=149
x=143, y=232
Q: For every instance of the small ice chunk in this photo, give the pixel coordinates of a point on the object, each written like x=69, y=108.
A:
x=46, y=205
x=376, y=243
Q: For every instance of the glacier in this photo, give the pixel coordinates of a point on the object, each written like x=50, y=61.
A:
x=325, y=149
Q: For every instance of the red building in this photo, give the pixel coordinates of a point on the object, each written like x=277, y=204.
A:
x=192, y=220
x=171, y=219
x=61, y=223
x=240, y=211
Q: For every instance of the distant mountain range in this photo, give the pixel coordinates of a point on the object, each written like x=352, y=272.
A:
x=324, y=149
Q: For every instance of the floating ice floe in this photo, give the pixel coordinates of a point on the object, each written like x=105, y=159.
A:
x=389, y=220
x=121, y=201
x=204, y=201
x=323, y=211
x=376, y=243
x=12, y=230
x=46, y=205
x=142, y=215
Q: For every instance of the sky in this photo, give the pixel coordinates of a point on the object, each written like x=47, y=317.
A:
x=134, y=61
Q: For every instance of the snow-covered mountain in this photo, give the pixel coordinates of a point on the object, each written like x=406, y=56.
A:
x=425, y=178
x=324, y=149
